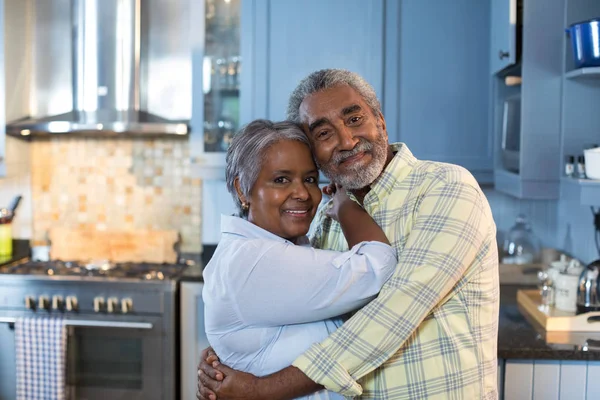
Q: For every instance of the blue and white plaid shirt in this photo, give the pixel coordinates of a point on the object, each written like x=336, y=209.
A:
x=432, y=331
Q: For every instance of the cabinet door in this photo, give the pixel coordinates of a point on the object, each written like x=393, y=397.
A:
x=503, y=34
x=193, y=336
x=294, y=38
x=444, y=83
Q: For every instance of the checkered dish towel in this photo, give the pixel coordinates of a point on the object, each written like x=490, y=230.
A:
x=41, y=346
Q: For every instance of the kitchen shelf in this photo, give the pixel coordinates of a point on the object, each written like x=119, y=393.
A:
x=514, y=185
x=584, y=191
x=584, y=73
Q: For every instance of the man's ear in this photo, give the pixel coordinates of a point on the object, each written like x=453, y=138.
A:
x=238, y=189
x=382, y=122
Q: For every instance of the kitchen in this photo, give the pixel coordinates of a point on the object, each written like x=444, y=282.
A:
x=440, y=70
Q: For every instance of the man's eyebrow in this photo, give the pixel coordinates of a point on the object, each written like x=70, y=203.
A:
x=317, y=123
x=351, y=109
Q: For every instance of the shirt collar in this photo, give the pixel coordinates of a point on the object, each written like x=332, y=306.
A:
x=234, y=225
x=398, y=168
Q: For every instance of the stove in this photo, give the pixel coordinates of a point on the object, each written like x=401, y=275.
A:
x=97, y=269
x=122, y=321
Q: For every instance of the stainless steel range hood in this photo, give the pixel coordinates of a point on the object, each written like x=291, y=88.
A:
x=106, y=66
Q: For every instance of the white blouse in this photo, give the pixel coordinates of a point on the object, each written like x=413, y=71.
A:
x=268, y=300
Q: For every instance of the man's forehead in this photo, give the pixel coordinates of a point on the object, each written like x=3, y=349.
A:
x=333, y=100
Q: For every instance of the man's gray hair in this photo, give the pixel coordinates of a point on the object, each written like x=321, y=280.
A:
x=247, y=151
x=325, y=79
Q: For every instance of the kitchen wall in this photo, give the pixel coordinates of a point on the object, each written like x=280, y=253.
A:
x=115, y=184
x=563, y=224
x=18, y=153
x=18, y=182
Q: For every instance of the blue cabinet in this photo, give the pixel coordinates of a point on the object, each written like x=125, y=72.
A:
x=288, y=39
x=424, y=59
x=503, y=45
x=538, y=175
x=444, y=83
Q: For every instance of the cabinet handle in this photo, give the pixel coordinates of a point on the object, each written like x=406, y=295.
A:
x=503, y=54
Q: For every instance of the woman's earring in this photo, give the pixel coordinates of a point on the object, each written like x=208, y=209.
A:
x=245, y=206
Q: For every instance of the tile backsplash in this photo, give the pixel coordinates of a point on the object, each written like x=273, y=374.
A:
x=115, y=184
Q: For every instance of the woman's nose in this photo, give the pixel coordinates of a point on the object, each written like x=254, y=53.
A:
x=300, y=192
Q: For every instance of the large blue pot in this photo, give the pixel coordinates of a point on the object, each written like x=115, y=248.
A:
x=585, y=37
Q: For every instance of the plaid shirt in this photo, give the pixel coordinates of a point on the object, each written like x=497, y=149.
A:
x=432, y=331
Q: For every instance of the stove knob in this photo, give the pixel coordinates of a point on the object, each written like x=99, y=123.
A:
x=71, y=303
x=111, y=304
x=29, y=302
x=126, y=305
x=43, y=303
x=98, y=304
x=57, y=302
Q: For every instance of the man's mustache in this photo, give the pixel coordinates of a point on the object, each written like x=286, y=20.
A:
x=362, y=146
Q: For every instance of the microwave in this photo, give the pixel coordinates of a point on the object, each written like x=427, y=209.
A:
x=511, y=134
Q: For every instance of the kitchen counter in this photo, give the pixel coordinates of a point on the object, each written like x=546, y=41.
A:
x=520, y=338
x=20, y=251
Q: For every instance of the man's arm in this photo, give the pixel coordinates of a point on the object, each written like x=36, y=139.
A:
x=448, y=232
x=450, y=228
x=217, y=381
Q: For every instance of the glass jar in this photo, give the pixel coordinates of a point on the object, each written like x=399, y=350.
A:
x=521, y=246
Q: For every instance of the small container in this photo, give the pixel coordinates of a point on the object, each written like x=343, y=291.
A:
x=565, y=292
x=581, y=167
x=5, y=233
x=569, y=166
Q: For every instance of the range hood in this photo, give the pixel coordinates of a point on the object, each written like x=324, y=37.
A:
x=106, y=64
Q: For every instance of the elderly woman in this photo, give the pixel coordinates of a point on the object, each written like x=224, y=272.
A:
x=268, y=295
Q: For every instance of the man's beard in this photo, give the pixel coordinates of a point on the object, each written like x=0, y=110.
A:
x=357, y=176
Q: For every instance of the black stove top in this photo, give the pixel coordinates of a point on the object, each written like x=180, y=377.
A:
x=143, y=271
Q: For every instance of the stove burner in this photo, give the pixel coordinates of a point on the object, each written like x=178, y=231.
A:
x=145, y=271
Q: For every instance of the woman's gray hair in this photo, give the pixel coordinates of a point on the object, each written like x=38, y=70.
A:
x=247, y=150
x=325, y=79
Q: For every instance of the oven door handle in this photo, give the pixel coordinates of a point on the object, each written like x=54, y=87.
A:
x=95, y=324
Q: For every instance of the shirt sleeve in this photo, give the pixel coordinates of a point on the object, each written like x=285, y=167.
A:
x=450, y=229
x=291, y=284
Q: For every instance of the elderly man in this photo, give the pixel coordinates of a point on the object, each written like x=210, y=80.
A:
x=432, y=331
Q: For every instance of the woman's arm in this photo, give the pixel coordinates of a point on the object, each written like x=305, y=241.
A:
x=357, y=225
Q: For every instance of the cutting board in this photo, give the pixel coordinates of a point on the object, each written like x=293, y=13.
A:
x=73, y=244
x=554, y=320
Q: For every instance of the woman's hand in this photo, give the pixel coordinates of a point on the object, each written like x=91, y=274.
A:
x=340, y=200
x=218, y=382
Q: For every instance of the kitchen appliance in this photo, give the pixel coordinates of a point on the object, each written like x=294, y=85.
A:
x=109, y=74
x=511, y=133
x=584, y=39
x=122, y=321
x=588, y=289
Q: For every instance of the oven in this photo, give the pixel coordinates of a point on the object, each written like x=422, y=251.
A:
x=121, y=337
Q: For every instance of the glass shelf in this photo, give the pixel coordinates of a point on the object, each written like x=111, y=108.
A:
x=222, y=66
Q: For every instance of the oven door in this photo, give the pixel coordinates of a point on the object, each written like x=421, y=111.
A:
x=120, y=362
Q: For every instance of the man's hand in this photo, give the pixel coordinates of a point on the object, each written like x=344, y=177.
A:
x=217, y=381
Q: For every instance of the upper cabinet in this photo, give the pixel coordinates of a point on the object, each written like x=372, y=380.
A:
x=443, y=85
x=399, y=47
x=527, y=118
x=294, y=38
x=503, y=45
